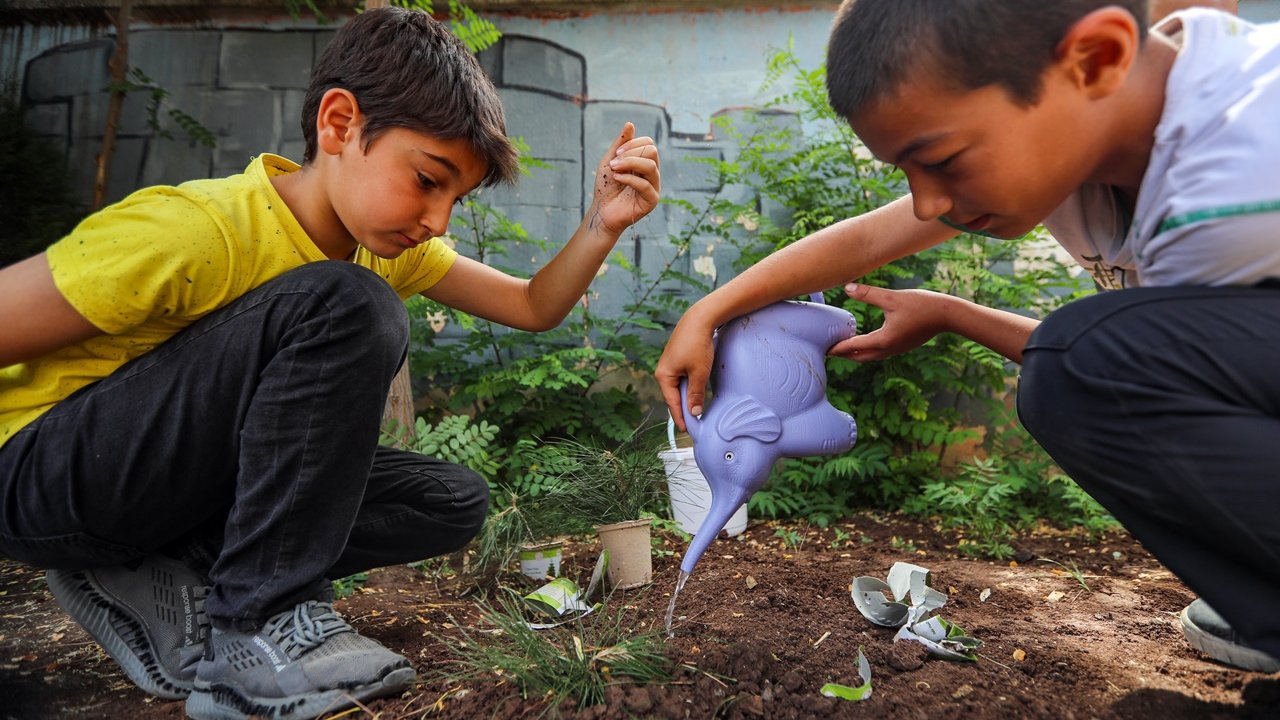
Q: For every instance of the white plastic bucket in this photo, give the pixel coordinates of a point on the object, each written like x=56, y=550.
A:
x=690, y=493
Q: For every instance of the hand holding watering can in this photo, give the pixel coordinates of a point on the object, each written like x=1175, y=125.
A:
x=769, y=388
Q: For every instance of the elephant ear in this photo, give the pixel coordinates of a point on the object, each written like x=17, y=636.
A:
x=747, y=417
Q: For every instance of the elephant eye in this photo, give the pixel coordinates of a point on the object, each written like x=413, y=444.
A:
x=728, y=456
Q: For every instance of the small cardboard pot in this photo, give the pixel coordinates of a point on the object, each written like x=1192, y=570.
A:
x=630, y=554
x=541, y=560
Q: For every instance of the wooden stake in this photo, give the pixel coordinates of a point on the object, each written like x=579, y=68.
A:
x=119, y=69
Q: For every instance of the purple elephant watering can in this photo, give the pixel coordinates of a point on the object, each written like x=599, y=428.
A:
x=768, y=401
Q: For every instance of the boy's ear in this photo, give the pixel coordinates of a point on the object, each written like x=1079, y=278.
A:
x=1099, y=49
x=337, y=120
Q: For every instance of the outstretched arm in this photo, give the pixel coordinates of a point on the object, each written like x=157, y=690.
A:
x=626, y=189
x=830, y=257
x=913, y=317
x=35, y=318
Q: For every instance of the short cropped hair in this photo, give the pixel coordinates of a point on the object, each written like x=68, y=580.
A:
x=876, y=45
x=406, y=70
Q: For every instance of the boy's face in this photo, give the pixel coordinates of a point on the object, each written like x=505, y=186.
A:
x=399, y=191
x=975, y=157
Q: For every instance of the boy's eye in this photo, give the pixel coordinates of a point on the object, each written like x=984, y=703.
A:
x=938, y=166
x=426, y=182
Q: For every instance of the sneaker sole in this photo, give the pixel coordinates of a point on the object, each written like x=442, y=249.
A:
x=1245, y=658
x=121, y=634
x=225, y=702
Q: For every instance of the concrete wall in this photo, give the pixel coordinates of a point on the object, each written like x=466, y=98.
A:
x=567, y=83
x=247, y=85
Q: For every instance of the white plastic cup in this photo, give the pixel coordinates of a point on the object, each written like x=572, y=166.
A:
x=691, y=495
x=539, y=561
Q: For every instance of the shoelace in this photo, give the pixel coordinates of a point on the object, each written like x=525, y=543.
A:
x=306, y=626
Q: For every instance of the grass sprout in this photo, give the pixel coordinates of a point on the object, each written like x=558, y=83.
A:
x=500, y=539
x=577, y=661
x=1073, y=570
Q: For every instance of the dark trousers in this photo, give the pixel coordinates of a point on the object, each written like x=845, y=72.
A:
x=252, y=433
x=1164, y=405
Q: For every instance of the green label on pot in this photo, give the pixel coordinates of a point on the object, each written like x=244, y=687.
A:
x=549, y=554
x=538, y=563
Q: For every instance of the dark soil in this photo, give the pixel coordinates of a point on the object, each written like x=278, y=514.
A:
x=761, y=627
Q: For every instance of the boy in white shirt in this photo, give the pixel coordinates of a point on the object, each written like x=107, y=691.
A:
x=1154, y=158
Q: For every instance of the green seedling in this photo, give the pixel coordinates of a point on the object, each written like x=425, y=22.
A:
x=435, y=568
x=901, y=544
x=1073, y=570
x=791, y=539
x=346, y=586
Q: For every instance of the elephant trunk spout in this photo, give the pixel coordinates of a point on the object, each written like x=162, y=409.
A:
x=723, y=505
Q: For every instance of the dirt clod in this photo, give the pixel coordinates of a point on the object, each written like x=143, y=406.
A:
x=907, y=656
x=751, y=705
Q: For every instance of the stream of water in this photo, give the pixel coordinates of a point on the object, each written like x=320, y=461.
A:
x=671, y=608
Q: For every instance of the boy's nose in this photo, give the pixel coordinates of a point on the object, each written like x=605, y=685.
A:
x=929, y=201
x=436, y=220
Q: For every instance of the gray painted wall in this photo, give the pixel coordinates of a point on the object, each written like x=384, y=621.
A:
x=568, y=84
x=247, y=87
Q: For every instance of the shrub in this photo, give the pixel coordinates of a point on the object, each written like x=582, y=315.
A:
x=36, y=203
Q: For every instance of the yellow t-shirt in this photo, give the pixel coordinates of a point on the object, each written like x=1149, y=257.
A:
x=162, y=258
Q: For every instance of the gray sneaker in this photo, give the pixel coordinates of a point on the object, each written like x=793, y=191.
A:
x=150, y=619
x=304, y=662
x=1209, y=633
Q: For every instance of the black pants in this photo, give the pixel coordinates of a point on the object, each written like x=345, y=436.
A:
x=1164, y=405
x=254, y=433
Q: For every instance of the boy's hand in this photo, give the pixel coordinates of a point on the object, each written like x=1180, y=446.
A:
x=911, y=318
x=688, y=354
x=627, y=183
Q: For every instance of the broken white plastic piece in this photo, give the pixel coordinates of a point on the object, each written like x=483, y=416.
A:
x=911, y=610
x=944, y=639
x=906, y=582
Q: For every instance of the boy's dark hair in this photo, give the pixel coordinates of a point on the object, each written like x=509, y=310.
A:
x=876, y=45
x=407, y=70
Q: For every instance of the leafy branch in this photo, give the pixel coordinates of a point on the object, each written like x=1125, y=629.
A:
x=139, y=81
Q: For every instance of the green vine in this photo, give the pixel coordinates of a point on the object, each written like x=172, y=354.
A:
x=139, y=81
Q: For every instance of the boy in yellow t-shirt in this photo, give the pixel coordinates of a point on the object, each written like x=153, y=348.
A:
x=192, y=381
